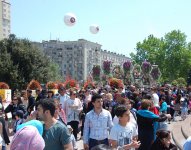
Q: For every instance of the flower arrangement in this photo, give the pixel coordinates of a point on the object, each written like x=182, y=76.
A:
x=4, y=85
x=155, y=73
x=96, y=72
x=127, y=66
x=33, y=85
x=115, y=83
x=136, y=71
x=51, y=85
x=70, y=83
x=117, y=72
x=146, y=67
x=89, y=84
x=59, y=85
x=107, y=67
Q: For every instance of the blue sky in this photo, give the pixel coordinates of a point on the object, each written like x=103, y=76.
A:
x=122, y=23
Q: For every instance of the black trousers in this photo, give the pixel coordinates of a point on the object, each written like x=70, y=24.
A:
x=74, y=125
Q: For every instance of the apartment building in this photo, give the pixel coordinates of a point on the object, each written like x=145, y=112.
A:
x=77, y=58
x=5, y=19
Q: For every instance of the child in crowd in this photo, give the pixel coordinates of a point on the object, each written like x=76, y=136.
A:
x=124, y=134
x=72, y=137
x=19, y=119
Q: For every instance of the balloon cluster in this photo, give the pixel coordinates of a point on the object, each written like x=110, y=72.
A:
x=70, y=20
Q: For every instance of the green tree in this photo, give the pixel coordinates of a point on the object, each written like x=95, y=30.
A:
x=21, y=62
x=171, y=53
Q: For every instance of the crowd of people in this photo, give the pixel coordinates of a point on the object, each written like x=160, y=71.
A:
x=104, y=117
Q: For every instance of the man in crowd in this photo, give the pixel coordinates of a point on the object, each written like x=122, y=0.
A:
x=97, y=124
x=55, y=134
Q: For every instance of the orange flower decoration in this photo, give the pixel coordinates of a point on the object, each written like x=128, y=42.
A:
x=51, y=85
x=4, y=85
x=115, y=83
x=33, y=85
x=89, y=84
x=70, y=83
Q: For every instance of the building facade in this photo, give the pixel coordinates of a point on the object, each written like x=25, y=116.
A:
x=5, y=19
x=77, y=58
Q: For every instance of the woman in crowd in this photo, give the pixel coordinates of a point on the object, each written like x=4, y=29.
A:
x=163, y=141
x=13, y=107
x=59, y=113
x=27, y=138
x=73, y=107
x=50, y=94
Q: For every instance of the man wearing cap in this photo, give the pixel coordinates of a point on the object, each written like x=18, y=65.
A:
x=97, y=124
x=63, y=96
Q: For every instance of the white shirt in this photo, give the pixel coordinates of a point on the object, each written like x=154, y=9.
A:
x=123, y=135
x=72, y=114
x=155, y=99
x=63, y=99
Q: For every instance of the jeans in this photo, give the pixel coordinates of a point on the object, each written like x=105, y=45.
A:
x=3, y=147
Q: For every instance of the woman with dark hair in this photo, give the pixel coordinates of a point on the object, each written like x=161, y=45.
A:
x=15, y=105
x=50, y=94
x=163, y=141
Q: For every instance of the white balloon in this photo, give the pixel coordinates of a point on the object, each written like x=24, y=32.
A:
x=70, y=19
x=94, y=29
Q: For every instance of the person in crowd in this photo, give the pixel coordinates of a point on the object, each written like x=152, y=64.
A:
x=155, y=97
x=50, y=94
x=36, y=123
x=83, y=112
x=163, y=105
x=59, y=113
x=124, y=134
x=73, y=139
x=53, y=129
x=73, y=107
x=88, y=96
x=147, y=125
x=15, y=105
x=19, y=119
x=31, y=101
x=107, y=102
x=133, y=118
x=24, y=98
x=39, y=95
x=27, y=138
x=184, y=108
x=176, y=105
x=63, y=96
x=97, y=124
x=3, y=132
x=163, y=141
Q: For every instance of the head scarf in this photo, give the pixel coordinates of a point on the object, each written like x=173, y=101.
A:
x=34, y=123
x=27, y=138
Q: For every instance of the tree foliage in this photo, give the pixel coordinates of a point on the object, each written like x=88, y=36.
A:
x=21, y=62
x=171, y=53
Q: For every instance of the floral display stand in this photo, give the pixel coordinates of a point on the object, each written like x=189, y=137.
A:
x=127, y=69
x=5, y=92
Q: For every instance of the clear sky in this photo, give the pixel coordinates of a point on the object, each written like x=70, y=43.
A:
x=122, y=23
